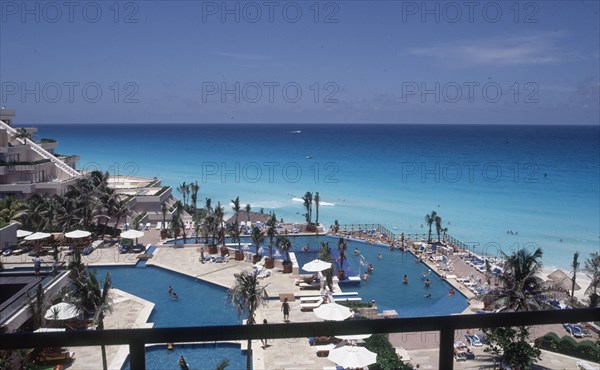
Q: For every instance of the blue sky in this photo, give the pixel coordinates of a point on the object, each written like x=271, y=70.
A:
x=301, y=62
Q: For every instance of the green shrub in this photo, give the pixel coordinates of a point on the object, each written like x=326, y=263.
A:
x=567, y=345
x=588, y=350
x=387, y=359
x=548, y=342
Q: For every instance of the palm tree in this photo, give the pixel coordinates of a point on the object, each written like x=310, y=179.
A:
x=37, y=306
x=308, y=200
x=575, y=265
x=164, y=209
x=220, y=223
x=90, y=300
x=236, y=207
x=248, y=208
x=592, y=266
x=342, y=247
x=195, y=188
x=184, y=190
x=521, y=289
x=257, y=237
x=430, y=219
x=336, y=226
x=284, y=244
x=325, y=252
x=438, y=226
x=11, y=209
x=234, y=232
x=317, y=200
x=271, y=223
x=245, y=297
x=22, y=133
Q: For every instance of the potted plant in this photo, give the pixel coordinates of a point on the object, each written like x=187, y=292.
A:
x=284, y=245
x=342, y=246
x=234, y=233
x=257, y=237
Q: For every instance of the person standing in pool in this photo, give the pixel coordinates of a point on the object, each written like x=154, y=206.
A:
x=427, y=283
x=405, y=281
x=285, y=307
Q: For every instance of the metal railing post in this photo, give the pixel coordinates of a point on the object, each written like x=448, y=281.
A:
x=446, y=359
x=137, y=355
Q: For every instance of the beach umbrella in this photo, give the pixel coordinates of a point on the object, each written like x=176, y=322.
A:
x=48, y=330
x=38, y=236
x=352, y=356
x=316, y=266
x=61, y=311
x=78, y=234
x=353, y=337
x=567, y=284
x=558, y=275
x=332, y=312
x=23, y=233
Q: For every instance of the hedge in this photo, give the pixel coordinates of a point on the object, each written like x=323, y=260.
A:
x=587, y=350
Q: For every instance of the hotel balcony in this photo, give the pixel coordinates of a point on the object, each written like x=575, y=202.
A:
x=447, y=326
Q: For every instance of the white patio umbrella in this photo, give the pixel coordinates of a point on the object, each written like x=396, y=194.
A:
x=23, y=233
x=78, y=234
x=332, y=312
x=316, y=266
x=352, y=356
x=132, y=234
x=38, y=236
x=61, y=311
x=353, y=337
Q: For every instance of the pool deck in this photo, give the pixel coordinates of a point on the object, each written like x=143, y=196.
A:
x=294, y=353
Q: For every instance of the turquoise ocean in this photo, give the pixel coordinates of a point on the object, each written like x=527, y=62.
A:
x=495, y=187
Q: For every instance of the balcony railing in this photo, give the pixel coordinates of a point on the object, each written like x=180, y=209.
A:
x=446, y=325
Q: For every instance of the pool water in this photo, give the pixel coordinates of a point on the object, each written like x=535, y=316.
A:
x=385, y=283
x=200, y=303
x=197, y=356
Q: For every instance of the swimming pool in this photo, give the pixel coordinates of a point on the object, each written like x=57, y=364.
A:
x=200, y=303
x=384, y=284
x=197, y=356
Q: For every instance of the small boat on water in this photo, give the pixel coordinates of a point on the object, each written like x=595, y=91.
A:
x=296, y=132
x=308, y=157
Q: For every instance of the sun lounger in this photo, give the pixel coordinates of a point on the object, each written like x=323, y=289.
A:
x=310, y=299
x=311, y=305
x=474, y=340
x=313, y=285
x=158, y=225
x=221, y=259
x=353, y=299
x=465, y=279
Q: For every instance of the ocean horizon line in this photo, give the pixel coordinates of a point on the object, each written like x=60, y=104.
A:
x=597, y=125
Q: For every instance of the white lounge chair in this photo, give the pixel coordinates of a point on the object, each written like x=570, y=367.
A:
x=311, y=305
x=148, y=225
x=158, y=225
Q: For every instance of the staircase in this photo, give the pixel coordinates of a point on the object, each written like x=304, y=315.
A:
x=70, y=172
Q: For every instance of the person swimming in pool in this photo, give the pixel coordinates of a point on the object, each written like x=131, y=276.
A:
x=427, y=283
x=175, y=296
x=370, y=268
x=405, y=280
x=379, y=256
x=356, y=251
x=428, y=295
